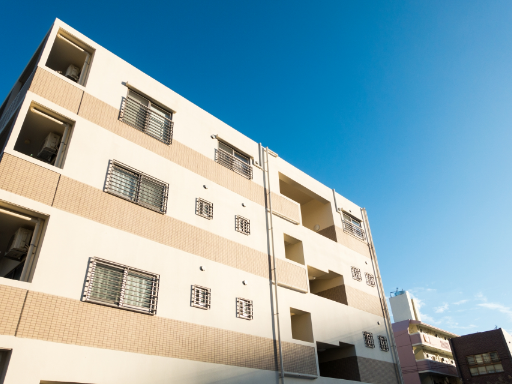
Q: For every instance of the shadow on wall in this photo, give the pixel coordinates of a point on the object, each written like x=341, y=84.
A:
x=338, y=361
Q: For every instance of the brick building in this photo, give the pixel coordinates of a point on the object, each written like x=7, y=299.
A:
x=142, y=240
x=484, y=357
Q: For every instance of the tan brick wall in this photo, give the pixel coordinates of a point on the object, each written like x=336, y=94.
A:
x=291, y=275
x=56, y=89
x=62, y=320
x=351, y=242
x=27, y=179
x=11, y=304
x=363, y=301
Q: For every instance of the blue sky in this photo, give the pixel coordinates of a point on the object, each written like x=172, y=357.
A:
x=403, y=107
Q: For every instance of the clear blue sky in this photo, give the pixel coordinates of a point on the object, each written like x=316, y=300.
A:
x=404, y=107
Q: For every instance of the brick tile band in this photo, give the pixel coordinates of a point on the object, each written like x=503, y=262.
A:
x=62, y=320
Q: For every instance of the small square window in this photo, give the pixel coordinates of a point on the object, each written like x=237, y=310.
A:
x=368, y=339
x=474, y=371
x=244, y=308
x=242, y=225
x=383, y=342
x=356, y=274
x=204, y=208
x=494, y=356
x=471, y=360
x=201, y=297
x=498, y=367
x=370, y=279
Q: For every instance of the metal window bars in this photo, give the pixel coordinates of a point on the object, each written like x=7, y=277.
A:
x=242, y=225
x=383, y=343
x=201, y=297
x=244, y=308
x=204, y=208
x=146, y=120
x=368, y=339
x=117, y=285
x=353, y=227
x=137, y=187
x=356, y=274
x=370, y=279
x=231, y=162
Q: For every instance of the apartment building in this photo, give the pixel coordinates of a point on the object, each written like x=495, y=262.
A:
x=424, y=350
x=144, y=241
x=484, y=357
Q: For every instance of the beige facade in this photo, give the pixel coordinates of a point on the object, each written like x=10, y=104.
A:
x=328, y=296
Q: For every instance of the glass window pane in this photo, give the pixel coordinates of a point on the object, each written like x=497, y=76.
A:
x=107, y=284
x=482, y=370
x=486, y=357
x=474, y=371
x=242, y=157
x=138, y=290
x=490, y=368
x=494, y=356
x=479, y=359
x=159, y=124
x=138, y=97
x=124, y=182
x=151, y=193
x=498, y=367
x=225, y=148
x=471, y=360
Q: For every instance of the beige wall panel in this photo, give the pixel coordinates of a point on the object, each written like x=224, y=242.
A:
x=27, y=179
x=291, y=275
x=337, y=294
x=351, y=242
x=363, y=301
x=57, y=90
x=11, y=304
x=329, y=232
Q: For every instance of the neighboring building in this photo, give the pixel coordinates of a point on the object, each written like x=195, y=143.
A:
x=424, y=350
x=484, y=357
x=139, y=233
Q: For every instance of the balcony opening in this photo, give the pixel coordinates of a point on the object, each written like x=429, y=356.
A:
x=5, y=356
x=234, y=159
x=70, y=57
x=293, y=249
x=20, y=233
x=44, y=136
x=329, y=285
x=302, y=328
x=338, y=361
x=316, y=212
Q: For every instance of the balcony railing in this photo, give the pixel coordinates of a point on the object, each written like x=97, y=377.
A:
x=231, y=162
x=354, y=230
x=146, y=120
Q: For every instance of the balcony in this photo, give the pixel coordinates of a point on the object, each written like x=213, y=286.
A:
x=427, y=365
x=430, y=341
x=354, y=230
x=233, y=163
x=152, y=122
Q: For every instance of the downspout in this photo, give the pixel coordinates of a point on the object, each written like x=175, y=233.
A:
x=29, y=261
x=380, y=289
x=62, y=147
x=266, y=169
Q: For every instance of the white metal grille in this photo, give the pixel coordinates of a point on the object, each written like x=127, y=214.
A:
x=244, y=308
x=232, y=162
x=383, y=342
x=370, y=279
x=118, y=285
x=201, y=297
x=356, y=274
x=204, y=208
x=368, y=339
x=243, y=225
x=137, y=187
x=353, y=226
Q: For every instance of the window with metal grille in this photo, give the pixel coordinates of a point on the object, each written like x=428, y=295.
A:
x=370, y=279
x=118, y=285
x=234, y=160
x=204, y=208
x=356, y=274
x=144, y=115
x=244, y=308
x=383, y=342
x=484, y=363
x=353, y=226
x=137, y=187
x=243, y=225
x=201, y=297
x=368, y=339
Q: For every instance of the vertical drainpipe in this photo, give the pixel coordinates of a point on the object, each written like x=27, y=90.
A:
x=380, y=289
x=266, y=170
x=29, y=261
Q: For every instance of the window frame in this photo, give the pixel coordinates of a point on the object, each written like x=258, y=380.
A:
x=200, y=204
x=356, y=274
x=233, y=161
x=90, y=281
x=383, y=343
x=370, y=279
x=240, y=313
x=369, y=342
x=207, y=292
x=349, y=226
x=242, y=225
x=475, y=365
x=141, y=177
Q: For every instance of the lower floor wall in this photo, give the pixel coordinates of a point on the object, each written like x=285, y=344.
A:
x=360, y=369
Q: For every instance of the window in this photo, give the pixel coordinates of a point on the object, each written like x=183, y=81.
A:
x=118, y=285
x=484, y=363
x=146, y=116
x=370, y=279
x=234, y=160
x=383, y=342
x=201, y=297
x=368, y=339
x=204, y=208
x=137, y=187
x=356, y=274
x=353, y=226
x=243, y=225
x=244, y=308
